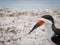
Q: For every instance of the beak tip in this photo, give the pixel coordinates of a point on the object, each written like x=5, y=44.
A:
x=29, y=32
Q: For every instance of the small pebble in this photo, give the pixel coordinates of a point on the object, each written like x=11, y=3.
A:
x=1, y=41
x=8, y=40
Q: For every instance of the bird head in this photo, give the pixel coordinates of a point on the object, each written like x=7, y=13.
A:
x=46, y=19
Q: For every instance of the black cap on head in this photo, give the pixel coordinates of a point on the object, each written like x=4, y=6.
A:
x=49, y=17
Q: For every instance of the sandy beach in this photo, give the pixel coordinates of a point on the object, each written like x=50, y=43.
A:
x=15, y=24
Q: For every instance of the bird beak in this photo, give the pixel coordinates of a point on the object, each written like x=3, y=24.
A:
x=39, y=23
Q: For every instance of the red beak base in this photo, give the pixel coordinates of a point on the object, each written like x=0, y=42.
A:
x=40, y=22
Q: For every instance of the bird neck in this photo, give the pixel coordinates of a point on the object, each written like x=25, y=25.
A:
x=56, y=30
x=53, y=27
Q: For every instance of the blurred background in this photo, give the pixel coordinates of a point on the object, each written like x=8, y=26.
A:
x=30, y=4
x=17, y=18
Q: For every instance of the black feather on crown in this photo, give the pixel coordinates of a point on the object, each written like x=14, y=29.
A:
x=49, y=17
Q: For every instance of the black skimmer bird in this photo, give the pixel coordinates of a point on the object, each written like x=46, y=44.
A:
x=49, y=23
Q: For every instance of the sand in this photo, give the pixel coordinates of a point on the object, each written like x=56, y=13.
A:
x=15, y=24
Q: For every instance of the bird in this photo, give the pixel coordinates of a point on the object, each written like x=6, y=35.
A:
x=48, y=20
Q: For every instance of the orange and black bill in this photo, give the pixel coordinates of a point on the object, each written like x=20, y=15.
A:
x=39, y=23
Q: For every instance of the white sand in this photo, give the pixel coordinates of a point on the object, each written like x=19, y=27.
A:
x=15, y=24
